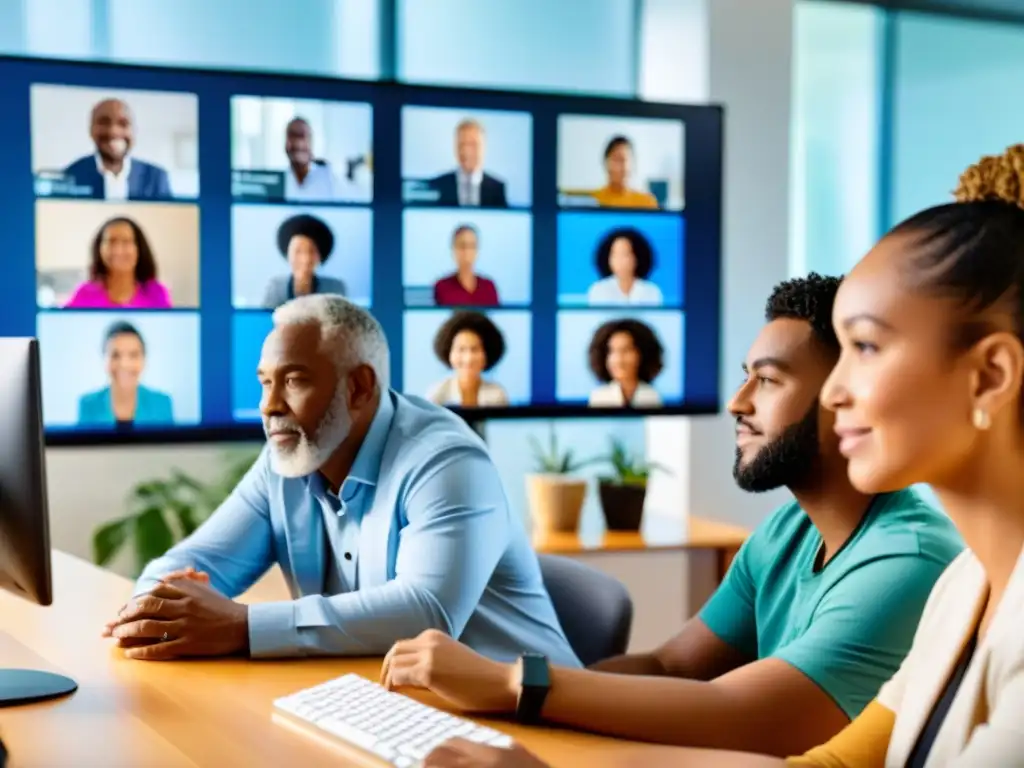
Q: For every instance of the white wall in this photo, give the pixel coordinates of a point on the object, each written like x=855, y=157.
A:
x=748, y=52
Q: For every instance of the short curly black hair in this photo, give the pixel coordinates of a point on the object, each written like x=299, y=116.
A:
x=474, y=322
x=308, y=226
x=809, y=299
x=652, y=354
x=641, y=246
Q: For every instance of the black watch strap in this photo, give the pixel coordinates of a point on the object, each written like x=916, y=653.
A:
x=533, y=688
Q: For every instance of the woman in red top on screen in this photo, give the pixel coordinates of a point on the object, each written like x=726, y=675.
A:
x=626, y=356
x=469, y=343
x=122, y=273
x=465, y=288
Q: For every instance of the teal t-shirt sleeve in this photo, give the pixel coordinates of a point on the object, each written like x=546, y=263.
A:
x=863, y=628
x=730, y=612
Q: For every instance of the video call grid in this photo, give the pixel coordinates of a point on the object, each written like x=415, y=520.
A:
x=503, y=215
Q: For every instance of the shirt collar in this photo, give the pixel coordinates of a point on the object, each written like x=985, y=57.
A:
x=126, y=167
x=366, y=467
x=475, y=177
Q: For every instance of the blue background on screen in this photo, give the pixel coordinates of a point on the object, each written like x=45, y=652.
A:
x=214, y=89
x=423, y=370
x=505, y=245
x=575, y=330
x=579, y=235
x=255, y=258
x=428, y=147
x=248, y=330
x=72, y=359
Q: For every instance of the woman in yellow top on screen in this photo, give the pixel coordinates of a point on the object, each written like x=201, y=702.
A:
x=469, y=343
x=618, y=165
x=122, y=271
x=124, y=402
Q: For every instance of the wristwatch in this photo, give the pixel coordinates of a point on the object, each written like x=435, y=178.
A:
x=534, y=683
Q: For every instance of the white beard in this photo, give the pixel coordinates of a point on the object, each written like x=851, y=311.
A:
x=310, y=453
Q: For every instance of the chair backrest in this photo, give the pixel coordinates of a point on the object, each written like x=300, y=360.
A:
x=595, y=609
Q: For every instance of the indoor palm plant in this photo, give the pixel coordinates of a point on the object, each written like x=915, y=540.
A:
x=554, y=491
x=624, y=491
x=163, y=511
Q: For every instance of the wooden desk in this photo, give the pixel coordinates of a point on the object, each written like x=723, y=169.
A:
x=658, y=532
x=129, y=714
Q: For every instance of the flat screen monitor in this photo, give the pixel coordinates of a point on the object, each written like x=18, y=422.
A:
x=24, y=513
x=527, y=254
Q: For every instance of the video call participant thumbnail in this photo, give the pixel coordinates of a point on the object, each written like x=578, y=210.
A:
x=627, y=356
x=306, y=242
x=124, y=402
x=112, y=173
x=309, y=178
x=618, y=166
x=469, y=185
x=465, y=288
x=624, y=260
x=470, y=344
x=122, y=271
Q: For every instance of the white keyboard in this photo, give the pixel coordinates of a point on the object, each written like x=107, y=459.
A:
x=398, y=730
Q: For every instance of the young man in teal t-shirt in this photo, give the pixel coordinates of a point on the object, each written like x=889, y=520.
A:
x=817, y=611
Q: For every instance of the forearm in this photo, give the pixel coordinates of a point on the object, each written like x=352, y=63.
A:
x=658, y=709
x=632, y=664
x=356, y=623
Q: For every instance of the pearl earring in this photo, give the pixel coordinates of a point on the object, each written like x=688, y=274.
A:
x=981, y=419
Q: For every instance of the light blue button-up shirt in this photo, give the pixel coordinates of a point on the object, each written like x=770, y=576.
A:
x=419, y=536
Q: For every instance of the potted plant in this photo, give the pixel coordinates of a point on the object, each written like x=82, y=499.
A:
x=555, y=494
x=624, y=492
x=163, y=511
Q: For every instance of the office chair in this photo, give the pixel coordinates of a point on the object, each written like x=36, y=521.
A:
x=594, y=609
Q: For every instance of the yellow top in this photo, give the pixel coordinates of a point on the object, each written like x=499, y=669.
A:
x=631, y=198
x=861, y=744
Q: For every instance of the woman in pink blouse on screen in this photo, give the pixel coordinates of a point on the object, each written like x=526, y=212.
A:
x=122, y=273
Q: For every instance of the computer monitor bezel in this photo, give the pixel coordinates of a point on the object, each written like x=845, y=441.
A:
x=24, y=507
x=708, y=161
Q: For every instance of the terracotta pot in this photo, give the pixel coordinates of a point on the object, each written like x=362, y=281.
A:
x=623, y=505
x=556, y=502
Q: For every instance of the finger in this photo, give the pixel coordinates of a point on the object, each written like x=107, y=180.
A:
x=454, y=753
x=152, y=606
x=168, y=591
x=149, y=629
x=133, y=642
x=172, y=649
x=407, y=672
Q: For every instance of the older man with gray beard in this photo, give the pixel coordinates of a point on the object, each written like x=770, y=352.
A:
x=384, y=512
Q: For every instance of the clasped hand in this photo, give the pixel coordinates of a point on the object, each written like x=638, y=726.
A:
x=181, y=616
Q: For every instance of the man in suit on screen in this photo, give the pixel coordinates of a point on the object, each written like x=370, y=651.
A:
x=468, y=186
x=111, y=172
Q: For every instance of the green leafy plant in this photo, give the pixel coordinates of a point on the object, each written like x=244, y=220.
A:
x=163, y=511
x=627, y=468
x=553, y=461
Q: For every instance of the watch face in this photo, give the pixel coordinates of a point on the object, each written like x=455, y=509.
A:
x=535, y=672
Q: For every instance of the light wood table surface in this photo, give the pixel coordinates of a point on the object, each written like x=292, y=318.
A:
x=657, y=532
x=131, y=714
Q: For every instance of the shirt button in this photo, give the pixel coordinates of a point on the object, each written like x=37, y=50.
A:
x=348, y=555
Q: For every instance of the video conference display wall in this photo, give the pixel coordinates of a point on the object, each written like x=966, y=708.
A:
x=526, y=255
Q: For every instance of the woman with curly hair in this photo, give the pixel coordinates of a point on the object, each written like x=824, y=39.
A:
x=626, y=356
x=469, y=343
x=624, y=259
